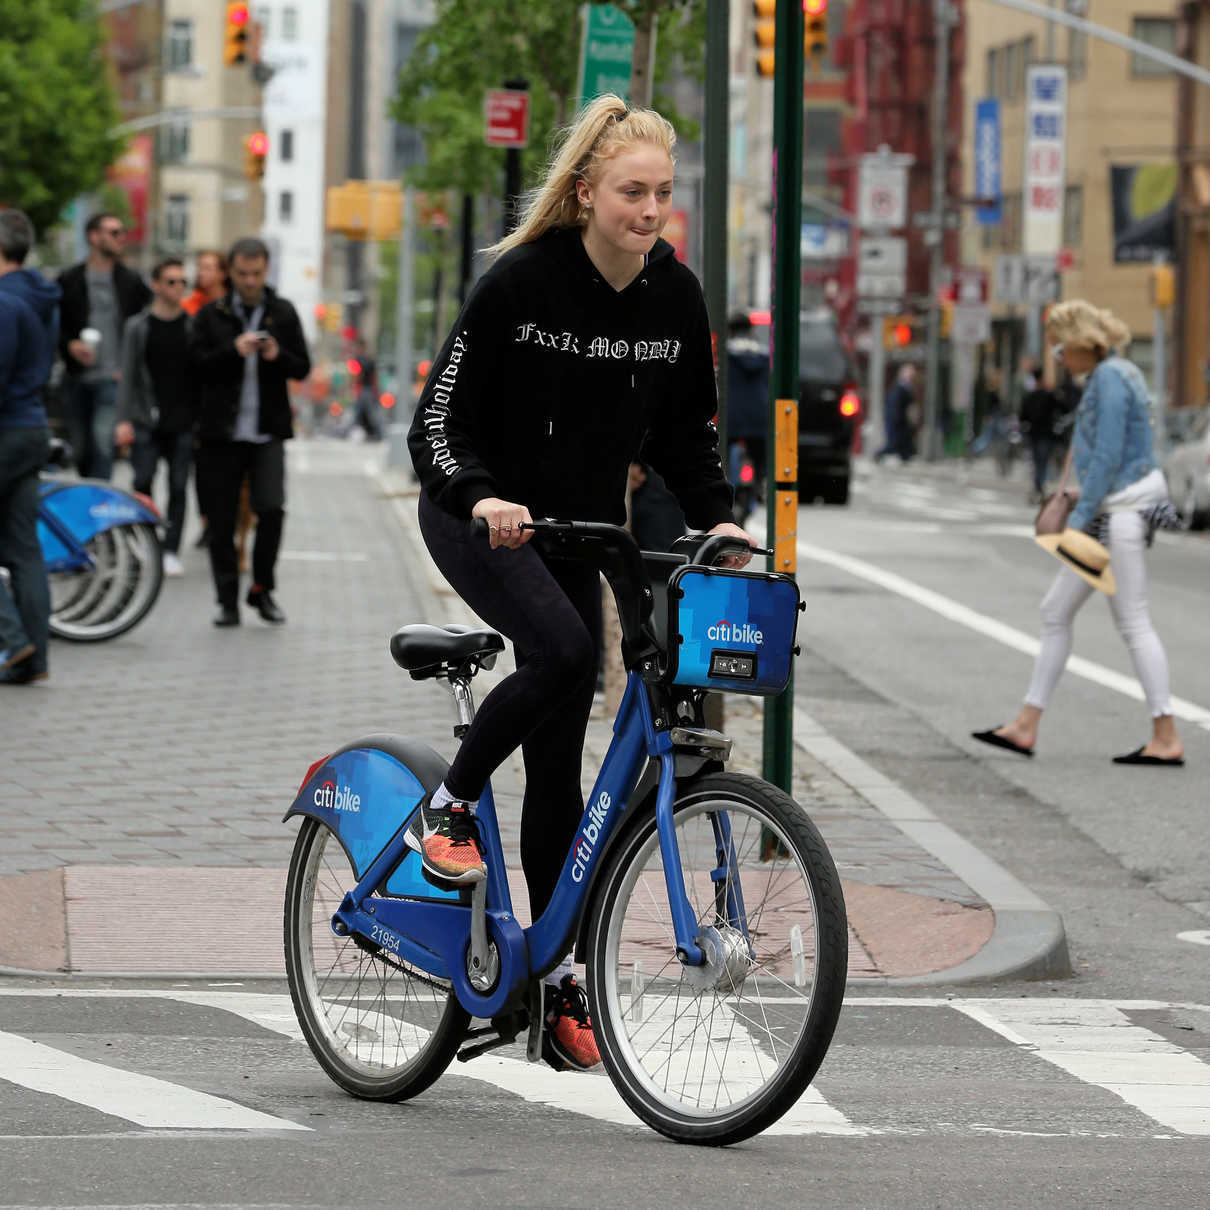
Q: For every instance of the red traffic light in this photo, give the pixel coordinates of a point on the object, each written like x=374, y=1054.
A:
x=387, y=399
x=353, y=366
x=902, y=334
x=258, y=143
x=237, y=14
x=815, y=8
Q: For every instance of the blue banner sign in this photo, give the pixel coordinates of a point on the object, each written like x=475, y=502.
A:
x=988, y=159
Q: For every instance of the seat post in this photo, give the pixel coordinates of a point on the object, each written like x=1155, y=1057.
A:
x=460, y=687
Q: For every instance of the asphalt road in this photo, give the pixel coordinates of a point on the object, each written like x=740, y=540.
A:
x=1091, y=1091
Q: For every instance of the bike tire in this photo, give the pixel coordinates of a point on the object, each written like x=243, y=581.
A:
x=644, y=1025
x=117, y=594
x=382, y=1030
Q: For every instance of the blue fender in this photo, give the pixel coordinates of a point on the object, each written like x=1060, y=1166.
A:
x=85, y=508
x=364, y=792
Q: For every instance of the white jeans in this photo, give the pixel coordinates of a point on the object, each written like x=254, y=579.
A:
x=1127, y=534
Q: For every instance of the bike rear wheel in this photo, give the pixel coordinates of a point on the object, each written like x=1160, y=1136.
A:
x=116, y=593
x=715, y=1054
x=381, y=1028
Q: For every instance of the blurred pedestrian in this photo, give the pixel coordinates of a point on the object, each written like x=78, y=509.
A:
x=898, y=416
x=25, y=356
x=210, y=284
x=366, y=412
x=244, y=348
x=1040, y=411
x=99, y=295
x=747, y=409
x=157, y=399
x=1123, y=499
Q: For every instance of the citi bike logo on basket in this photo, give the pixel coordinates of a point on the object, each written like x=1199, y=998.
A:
x=730, y=632
x=590, y=836
x=337, y=798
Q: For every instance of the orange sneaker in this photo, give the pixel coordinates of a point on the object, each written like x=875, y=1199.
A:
x=448, y=843
x=569, y=1040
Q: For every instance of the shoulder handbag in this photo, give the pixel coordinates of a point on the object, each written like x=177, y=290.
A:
x=1052, y=516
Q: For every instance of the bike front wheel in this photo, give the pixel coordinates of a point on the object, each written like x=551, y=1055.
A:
x=116, y=593
x=716, y=1053
x=381, y=1028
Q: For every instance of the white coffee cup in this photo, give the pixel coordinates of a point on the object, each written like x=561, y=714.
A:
x=91, y=337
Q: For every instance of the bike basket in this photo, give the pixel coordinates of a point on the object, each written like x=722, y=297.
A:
x=731, y=630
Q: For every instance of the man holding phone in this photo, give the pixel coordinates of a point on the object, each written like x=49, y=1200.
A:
x=244, y=347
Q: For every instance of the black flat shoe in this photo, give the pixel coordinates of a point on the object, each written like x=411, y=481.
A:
x=1000, y=741
x=1137, y=757
x=228, y=615
x=262, y=601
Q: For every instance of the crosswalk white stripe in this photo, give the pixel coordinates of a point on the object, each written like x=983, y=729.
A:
x=144, y=1100
x=1099, y=1044
x=1092, y=1040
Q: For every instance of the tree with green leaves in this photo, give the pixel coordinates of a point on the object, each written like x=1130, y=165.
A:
x=58, y=106
x=472, y=47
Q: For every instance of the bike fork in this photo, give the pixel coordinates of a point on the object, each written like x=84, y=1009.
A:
x=684, y=922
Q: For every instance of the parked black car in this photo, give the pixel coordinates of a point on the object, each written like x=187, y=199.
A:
x=829, y=407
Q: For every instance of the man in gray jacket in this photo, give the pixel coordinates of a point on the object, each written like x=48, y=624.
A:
x=157, y=398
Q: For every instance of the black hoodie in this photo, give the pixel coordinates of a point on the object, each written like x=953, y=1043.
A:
x=552, y=382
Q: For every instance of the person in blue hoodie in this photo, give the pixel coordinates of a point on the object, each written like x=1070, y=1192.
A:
x=28, y=330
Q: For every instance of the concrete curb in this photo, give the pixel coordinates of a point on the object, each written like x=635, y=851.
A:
x=1029, y=941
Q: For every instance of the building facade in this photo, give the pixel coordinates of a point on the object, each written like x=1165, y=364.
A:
x=1119, y=152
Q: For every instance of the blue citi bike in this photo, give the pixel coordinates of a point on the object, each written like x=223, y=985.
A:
x=704, y=904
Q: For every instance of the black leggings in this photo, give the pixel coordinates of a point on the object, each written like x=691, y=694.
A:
x=552, y=613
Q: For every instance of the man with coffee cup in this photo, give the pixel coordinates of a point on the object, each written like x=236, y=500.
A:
x=99, y=296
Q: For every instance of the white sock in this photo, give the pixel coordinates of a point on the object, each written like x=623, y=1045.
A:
x=442, y=799
x=556, y=976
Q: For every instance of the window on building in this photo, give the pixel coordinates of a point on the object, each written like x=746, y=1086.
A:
x=180, y=44
x=1073, y=216
x=285, y=206
x=1029, y=55
x=286, y=143
x=992, y=88
x=1077, y=54
x=1011, y=72
x=1159, y=32
x=262, y=14
x=289, y=23
x=1010, y=227
x=174, y=142
x=176, y=220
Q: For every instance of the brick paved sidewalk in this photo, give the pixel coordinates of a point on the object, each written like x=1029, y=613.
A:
x=147, y=777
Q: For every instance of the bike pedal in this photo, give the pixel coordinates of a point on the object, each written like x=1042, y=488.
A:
x=473, y=1052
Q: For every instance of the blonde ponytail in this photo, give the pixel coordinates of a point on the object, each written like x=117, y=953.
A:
x=603, y=128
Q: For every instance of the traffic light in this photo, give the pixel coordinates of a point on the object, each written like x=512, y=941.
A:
x=815, y=32
x=235, y=34
x=256, y=147
x=764, y=34
x=898, y=331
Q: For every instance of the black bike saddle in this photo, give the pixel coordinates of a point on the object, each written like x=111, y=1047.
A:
x=427, y=650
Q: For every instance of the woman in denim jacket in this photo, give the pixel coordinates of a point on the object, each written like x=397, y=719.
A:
x=1123, y=498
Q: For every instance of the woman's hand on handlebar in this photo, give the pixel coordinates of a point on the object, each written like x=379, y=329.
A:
x=504, y=521
x=734, y=531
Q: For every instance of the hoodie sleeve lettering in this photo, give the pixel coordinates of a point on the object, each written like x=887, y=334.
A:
x=442, y=436
x=682, y=443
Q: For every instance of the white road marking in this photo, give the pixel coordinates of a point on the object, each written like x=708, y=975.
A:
x=1195, y=936
x=1008, y=635
x=1097, y=1043
x=141, y=1099
x=1092, y=1040
x=324, y=556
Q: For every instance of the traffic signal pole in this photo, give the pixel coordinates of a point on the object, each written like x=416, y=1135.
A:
x=782, y=464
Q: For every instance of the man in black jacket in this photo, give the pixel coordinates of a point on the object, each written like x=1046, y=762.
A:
x=99, y=296
x=244, y=347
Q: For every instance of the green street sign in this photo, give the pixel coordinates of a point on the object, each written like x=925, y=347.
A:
x=605, y=53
